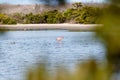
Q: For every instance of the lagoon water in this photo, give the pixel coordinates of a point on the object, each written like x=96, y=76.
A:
x=20, y=50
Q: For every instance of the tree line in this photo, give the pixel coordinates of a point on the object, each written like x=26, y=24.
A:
x=77, y=14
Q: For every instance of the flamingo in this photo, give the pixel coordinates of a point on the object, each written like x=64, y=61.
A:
x=59, y=39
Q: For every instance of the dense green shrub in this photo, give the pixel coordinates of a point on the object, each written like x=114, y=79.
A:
x=49, y=17
x=88, y=15
x=2, y=16
x=53, y=16
x=68, y=14
x=8, y=21
x=59, y=18
x=71, y=14
x=4, y=19
x=18, y=17
x=33, y=19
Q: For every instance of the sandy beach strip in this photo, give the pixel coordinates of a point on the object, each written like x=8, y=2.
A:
x=81, y=27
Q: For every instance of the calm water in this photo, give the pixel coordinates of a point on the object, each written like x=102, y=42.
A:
x=21, y=49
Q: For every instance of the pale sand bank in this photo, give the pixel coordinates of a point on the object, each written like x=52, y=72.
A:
x=83, y=27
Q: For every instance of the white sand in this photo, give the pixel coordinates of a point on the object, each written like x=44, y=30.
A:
x=65, y=26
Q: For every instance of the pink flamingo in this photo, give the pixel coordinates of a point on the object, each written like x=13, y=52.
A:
x=59, y=39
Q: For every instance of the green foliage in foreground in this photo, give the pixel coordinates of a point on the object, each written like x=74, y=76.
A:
x=110, y=33
x=78, y=14
x=84, y=71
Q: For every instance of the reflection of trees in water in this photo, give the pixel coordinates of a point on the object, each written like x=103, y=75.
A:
x=2, y=54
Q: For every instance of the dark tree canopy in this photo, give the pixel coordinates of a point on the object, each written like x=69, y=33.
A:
x=53, y=2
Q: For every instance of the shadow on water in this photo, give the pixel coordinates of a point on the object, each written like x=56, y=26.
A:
x=2, y=33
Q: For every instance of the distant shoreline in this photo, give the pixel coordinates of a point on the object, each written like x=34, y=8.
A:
x=27, y=27
x=38, y=8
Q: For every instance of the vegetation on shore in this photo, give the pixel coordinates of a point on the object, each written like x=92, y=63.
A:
x=5, y=19
x=77, y=14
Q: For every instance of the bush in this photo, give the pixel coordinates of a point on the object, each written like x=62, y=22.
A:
x=53, y=17
x=89, y=15
x=9, y=21
x=2, y=16
x=4, y=19
x=18, y=17
x=46, y=17
x=59, y=18
x=68, y=14
x=33, y=19
x=71, y=14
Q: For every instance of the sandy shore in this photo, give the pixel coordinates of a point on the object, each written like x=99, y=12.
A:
x=82, y=27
